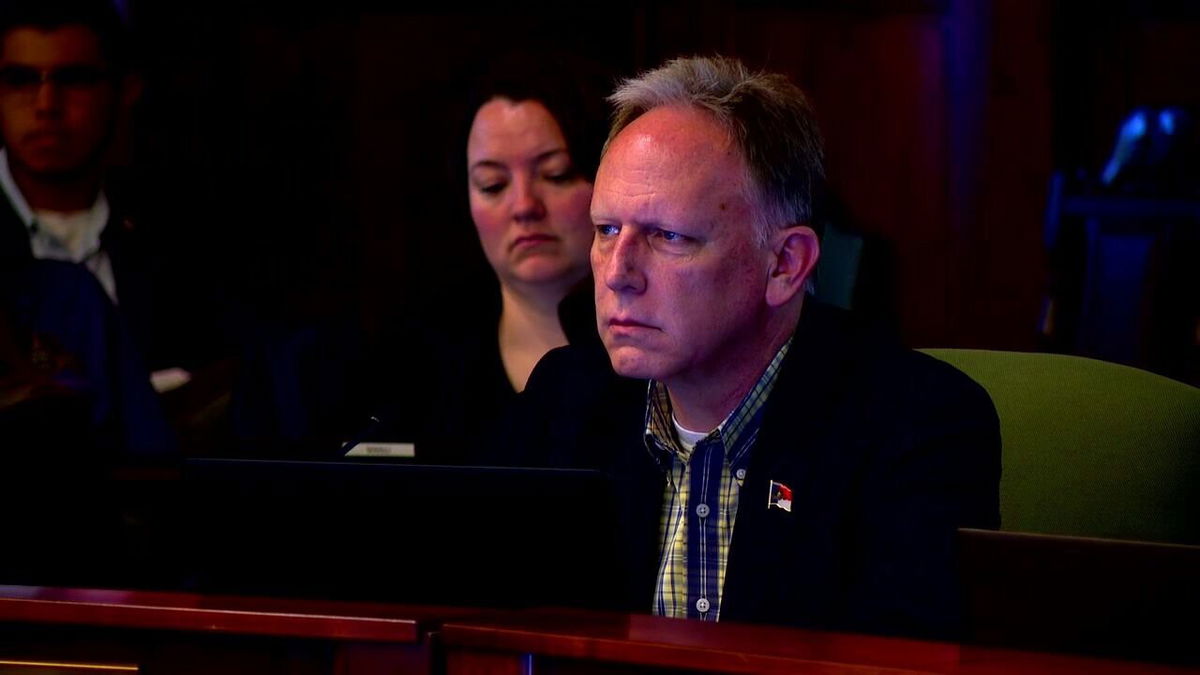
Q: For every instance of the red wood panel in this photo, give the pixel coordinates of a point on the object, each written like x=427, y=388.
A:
x=1001, y=263
x=878, y=82
x=732, y=648
x=285, y=617
x=937, y=119
x=475, y=662
x=705, y=647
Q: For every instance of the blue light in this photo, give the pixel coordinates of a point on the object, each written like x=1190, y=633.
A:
x=1135, y=126
x=1166, y=121
x=1132, y=131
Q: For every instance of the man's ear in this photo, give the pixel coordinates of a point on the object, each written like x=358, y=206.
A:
x=132, y=85
x=129, y=90
x=794, y=254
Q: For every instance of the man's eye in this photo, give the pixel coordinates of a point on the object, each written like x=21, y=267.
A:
x=23, y=77
x=673, y=243
x=77, y=76
x=607, y=230
x=16, y=77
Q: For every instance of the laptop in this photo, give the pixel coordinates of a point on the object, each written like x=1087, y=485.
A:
x=1133, y=599
x=466, y=535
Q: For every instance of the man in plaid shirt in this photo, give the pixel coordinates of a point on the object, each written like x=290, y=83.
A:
x=778, y=462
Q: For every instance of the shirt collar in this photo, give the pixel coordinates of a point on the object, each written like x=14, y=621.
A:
x=736, y=432
x=13, y=192
x=44, y=242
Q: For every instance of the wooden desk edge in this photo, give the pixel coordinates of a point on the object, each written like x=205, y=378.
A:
x=486, y=638
x=188, y=617
x=913, y=656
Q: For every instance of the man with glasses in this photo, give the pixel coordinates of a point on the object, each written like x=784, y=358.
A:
x=63, y=87
x=68, y=255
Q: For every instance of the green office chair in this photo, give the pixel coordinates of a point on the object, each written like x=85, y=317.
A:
x=1091, y=448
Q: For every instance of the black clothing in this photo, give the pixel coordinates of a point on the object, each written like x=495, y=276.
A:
x=451, y=396
x=886, y=451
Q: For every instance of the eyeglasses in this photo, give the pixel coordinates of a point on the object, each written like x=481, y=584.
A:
x=69, y=78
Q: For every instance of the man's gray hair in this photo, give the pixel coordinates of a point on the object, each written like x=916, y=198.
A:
x=768, y=117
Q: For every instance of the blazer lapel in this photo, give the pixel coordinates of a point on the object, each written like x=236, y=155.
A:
x=774, y=550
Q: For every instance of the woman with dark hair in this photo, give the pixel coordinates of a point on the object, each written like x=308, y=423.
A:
x=531, y=158
x=531, y=137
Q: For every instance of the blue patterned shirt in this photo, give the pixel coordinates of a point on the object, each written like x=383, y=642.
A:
x=700, y=499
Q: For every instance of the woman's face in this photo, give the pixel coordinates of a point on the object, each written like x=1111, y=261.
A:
x=529, y=204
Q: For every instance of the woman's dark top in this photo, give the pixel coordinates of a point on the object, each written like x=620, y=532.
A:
x=450, y=394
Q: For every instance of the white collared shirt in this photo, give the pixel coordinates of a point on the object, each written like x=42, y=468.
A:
x=73, y=236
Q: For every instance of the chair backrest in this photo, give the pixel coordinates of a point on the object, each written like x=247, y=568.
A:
x=837, y=269
x=1091, y=448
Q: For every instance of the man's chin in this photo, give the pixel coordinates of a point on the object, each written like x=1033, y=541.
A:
x=55, y=170
x=57, y=164
x=634, y=363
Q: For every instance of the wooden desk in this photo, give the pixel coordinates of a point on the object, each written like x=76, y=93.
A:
x=87, y=631
x=189, y=633
x=564, y=641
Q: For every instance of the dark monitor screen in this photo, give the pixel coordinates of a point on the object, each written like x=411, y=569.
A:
x=480, y=536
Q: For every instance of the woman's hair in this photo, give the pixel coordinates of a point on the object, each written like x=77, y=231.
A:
x=571, y=88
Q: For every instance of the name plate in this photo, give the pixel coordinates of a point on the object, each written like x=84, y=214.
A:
x=369, y=449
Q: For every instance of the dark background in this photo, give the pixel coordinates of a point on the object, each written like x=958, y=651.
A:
x=301, y=154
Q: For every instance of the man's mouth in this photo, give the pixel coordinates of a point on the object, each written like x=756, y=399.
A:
x=626, y=322
x=46, y=135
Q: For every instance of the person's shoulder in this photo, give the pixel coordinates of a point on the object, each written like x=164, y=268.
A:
x=878, y=362
x=578, y=381
x=934, y=372
x=575, y=367
x=10, y=222
x=572, y=398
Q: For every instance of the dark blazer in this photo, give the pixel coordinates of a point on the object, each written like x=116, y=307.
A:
x=60, y=306
x=161, y=319
x=887, y=452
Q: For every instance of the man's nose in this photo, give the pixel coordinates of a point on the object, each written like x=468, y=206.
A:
x=621, y=261
x=47, y=98
x=527, y=200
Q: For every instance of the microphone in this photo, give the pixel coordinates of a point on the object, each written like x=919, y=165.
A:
x=374, y=424
x=360, y=446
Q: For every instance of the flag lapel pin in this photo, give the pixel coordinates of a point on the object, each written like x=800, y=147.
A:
x=780, y=497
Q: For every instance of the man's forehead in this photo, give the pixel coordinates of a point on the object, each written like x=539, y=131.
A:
x=51, y=46
x=671, y=151
x=677, y=130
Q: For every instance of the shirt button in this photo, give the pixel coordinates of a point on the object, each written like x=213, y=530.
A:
x=740, y=474
x=702, y=511
x=702, y=605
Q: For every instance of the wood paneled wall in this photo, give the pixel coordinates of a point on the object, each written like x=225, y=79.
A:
x=320, y=138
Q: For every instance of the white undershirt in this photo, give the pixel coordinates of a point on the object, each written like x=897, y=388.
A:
x=688, y=438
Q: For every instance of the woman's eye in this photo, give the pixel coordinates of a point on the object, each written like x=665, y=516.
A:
x=492, y=188
x=560, y=178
